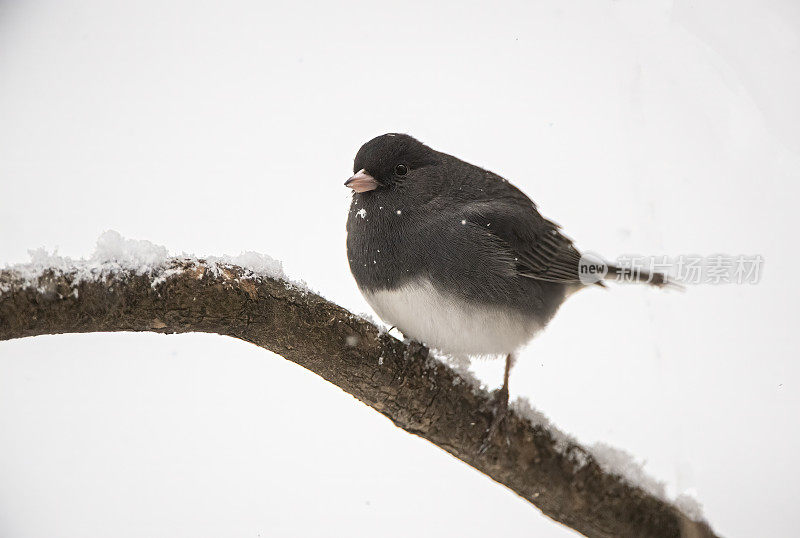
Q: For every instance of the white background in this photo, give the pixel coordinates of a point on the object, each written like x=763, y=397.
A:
x=217, y=127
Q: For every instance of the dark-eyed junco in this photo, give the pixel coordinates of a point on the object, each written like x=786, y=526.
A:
x=453, y=255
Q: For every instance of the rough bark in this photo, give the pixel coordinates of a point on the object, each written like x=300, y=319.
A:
x=421, y=396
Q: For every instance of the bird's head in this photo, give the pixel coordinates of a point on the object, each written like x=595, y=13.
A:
x=389, y=161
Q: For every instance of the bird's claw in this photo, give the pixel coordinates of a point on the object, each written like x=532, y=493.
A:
x=499, y=412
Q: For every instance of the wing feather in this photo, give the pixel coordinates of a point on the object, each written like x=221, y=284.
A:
x=541, y=251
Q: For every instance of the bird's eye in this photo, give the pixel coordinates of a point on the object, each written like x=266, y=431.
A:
x=401, y=169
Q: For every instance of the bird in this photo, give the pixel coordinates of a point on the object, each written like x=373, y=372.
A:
x=456, y=257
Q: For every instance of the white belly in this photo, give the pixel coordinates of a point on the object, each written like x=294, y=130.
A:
x=451, y=324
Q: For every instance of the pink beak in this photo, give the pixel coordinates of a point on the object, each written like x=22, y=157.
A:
x=361, y=182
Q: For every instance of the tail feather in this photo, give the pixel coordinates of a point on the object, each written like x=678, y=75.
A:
x=633, y=274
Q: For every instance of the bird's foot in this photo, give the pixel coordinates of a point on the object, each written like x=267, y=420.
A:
x=499, y=411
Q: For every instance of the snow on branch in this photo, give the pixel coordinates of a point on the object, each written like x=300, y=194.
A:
x=136, y=286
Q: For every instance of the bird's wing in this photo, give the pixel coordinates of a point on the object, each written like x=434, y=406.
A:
x=540, y=250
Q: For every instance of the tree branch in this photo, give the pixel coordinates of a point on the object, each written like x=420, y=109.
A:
x=421, y=396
